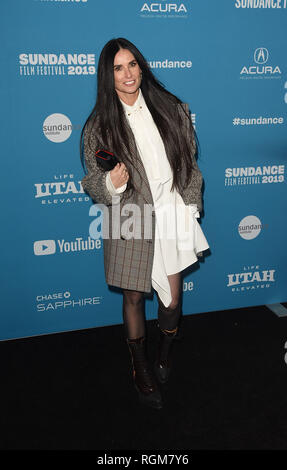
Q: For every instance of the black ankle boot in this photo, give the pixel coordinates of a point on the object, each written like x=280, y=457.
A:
x=144, y=382
x=162, y=364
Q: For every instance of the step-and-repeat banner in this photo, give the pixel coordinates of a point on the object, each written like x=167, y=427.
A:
x=226, y=59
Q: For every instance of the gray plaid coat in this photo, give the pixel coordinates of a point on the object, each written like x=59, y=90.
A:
x=128, y=260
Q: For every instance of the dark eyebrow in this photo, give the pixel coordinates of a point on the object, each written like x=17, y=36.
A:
x=119, y=65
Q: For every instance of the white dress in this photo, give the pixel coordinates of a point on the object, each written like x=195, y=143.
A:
x=178, y=235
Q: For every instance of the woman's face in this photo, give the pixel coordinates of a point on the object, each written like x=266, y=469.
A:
x=127, y=76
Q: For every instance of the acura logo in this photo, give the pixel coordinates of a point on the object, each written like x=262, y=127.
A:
x=261, y=55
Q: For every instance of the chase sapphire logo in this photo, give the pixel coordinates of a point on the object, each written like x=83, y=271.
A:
x=261, y=55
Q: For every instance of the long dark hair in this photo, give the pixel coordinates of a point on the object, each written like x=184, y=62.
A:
x=109, y=116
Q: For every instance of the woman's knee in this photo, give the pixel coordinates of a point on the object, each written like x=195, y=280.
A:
x=133, y=297
x=174, y=303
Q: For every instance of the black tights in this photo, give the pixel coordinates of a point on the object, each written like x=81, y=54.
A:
x=134, y=313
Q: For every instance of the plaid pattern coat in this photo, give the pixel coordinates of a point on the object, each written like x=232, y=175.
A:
x=128, y=260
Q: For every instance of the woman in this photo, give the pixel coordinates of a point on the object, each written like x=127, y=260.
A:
x=159, y=183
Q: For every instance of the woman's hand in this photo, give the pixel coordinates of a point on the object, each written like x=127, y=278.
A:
x=119, y=175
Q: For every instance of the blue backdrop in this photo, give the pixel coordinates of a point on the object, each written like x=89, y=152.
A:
x=227, y=60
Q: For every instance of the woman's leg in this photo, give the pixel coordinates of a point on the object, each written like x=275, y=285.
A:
x=168, y=317
x=133, y=313
x=168, y=320
x=134, y=321
x=175, y=287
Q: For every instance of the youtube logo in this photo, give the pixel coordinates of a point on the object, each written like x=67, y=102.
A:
x=44, y=247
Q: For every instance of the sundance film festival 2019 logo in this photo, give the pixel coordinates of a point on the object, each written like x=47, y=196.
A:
x=63, y=2
x=164, y=9
x=250, y=279
x=274, y=4
x=261, y=66
x=58, y=65
x=264, y=174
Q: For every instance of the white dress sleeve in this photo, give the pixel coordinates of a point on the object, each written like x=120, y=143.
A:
x=194, y=210
x=112, y=190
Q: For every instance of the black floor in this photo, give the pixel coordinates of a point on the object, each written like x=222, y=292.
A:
x=228, y=388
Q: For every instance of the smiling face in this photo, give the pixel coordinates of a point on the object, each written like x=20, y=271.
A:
x=127, y=76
